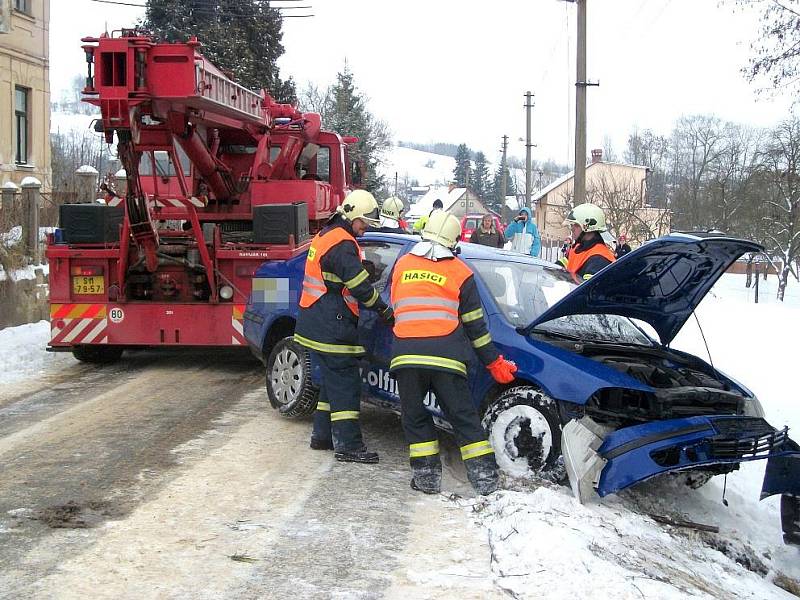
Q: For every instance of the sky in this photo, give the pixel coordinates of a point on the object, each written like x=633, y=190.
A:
x=457, y=70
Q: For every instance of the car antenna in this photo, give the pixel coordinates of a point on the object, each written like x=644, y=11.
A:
x=700, y=327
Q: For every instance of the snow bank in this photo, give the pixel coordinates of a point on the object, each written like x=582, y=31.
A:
x=22, y=352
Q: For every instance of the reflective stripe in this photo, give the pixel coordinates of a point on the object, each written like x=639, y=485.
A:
x=344, y=415
x=328, y=348
x=324, y=406
x=331, y=277
x=372, y=299
x=482, y=341
x=472, y=315
x=313, y=292
x=358, y=279
x=421, y=360
x=424, y=315
x=475, y=450
x=426, y=301
x=423, y=449
x=313, y=281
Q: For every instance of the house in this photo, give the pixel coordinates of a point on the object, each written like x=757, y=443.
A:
x=457, y=201
x=619, y=188
x=24, y=91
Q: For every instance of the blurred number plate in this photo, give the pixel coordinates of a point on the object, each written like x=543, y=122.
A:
x=89, y=285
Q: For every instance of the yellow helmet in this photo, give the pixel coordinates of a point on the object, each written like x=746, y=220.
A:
x=392, y=207
x=588, y=216
x=360, y=204
x=442, y=228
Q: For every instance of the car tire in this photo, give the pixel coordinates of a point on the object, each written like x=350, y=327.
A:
x=98, y=355
x=288, y=379
x=524, y=430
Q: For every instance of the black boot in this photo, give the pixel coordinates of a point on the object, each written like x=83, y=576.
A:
x=361, y=455
x=427, y=474
x=482, y=474
x=320, y=444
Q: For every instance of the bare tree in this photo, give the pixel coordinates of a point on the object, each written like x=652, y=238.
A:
x=780, y=166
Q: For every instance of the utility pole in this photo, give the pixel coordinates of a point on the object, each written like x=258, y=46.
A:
x=580, y=106
x=579, y=190
x=528, y=146
x=503, y=176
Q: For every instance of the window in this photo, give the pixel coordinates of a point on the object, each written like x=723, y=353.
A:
x=23, y=6
x=379, y=258
x=471, y=203
x=21, y=108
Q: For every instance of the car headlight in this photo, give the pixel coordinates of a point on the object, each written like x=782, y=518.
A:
x=753, y=408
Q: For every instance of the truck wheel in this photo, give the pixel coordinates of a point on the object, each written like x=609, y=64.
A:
x=525, y=432
x=288, y=379
x=99, y=355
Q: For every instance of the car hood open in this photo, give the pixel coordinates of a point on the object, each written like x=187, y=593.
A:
x=660, y=283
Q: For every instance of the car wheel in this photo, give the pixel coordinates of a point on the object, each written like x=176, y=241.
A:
x=99, y=355
x=288, y=379
x=525, y=432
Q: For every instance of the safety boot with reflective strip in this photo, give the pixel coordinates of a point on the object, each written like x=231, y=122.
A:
x=481, y=467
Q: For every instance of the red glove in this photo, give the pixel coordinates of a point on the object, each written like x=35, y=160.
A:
x=502, y=370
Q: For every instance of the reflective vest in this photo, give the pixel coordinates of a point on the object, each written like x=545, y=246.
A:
x=425, y=296
x=314, y=286
x=575, y=260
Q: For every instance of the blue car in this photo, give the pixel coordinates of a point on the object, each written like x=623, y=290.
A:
x=599, y=397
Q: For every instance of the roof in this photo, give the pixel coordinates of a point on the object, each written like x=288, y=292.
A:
x=424, y=205
x=537, y=195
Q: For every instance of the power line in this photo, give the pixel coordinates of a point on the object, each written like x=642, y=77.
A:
x=223, y=12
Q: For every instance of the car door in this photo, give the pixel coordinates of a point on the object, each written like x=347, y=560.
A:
x=379, y=256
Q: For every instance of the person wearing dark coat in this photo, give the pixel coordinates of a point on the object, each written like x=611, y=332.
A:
x=486, y=234
x=622, y=247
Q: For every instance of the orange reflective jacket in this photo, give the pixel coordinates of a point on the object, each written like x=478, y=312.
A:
x=314, y=286
x=425, y=296
x=575, y=260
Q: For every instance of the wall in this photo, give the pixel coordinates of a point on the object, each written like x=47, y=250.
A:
x=24, y=61
x=24, y=301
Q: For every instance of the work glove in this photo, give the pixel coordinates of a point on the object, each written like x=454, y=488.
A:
x=387, y=314
x=502, y=370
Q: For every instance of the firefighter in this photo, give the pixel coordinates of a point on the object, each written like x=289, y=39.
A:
x=438, y=317
x=391, y=211
x=335, y=283
x=589, y=252
x=420, y=224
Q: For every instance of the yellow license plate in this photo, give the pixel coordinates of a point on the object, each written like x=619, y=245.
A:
x=89, y=285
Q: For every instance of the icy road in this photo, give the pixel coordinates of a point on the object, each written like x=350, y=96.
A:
x=169, y=476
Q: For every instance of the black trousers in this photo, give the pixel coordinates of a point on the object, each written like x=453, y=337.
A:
x=337, y=414
x=452, y=394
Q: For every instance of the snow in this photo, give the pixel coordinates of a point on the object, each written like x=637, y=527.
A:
x=28, y=272
x=424, y=168
x=67, y=123
x=23, y=355
x=30, y=181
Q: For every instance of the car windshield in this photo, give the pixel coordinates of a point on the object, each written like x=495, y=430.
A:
x=523, y=291
x=471, y=224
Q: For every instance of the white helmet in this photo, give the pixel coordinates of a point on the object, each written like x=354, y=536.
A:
x=392, y=207
x=360, y=204
x=588, y=216
x=442, y=228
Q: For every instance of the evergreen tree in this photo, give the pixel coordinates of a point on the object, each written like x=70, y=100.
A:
x=480, y=179
x=463, y=171
x=496, y=193
x=239, y=36
x=346, y=113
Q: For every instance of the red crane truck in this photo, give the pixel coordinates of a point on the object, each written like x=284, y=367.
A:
x=219, y=179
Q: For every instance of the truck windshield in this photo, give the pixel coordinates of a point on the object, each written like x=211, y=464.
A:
x=523, y=291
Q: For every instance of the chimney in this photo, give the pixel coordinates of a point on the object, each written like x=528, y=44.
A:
x=597, y=155
x=451, y=187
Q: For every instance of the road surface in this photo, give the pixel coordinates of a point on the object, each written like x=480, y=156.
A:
x=168, y=475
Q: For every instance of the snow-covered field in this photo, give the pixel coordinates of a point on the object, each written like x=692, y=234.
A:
x=547, y=545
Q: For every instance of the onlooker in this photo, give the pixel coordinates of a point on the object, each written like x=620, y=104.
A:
x=486, y=234
x=565, y=246
x=622, y=247
x=524, y=234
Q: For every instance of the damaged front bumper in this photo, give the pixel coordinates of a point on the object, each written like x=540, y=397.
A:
x=609, y=461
